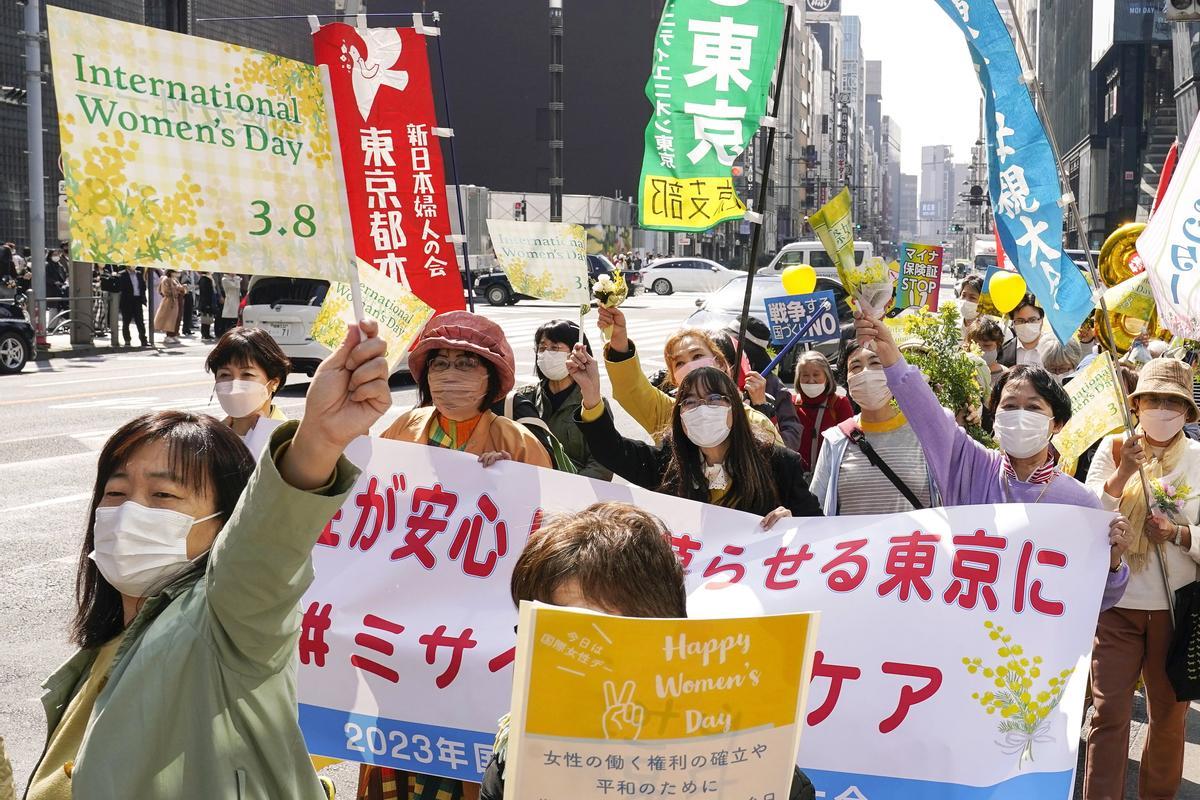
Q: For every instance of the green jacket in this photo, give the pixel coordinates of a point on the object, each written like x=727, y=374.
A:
x=562, y=425
x=201, y=699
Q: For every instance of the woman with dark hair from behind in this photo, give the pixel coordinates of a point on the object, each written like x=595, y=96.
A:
x=556, y=397
x=188, y=587
x=710, y=454
x=612, y=558
x=1028, y=407
x=249, y=369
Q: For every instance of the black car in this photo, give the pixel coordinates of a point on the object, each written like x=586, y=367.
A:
x=499, y=292
x=16, y=340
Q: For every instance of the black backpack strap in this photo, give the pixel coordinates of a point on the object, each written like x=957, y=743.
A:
x=859, y=438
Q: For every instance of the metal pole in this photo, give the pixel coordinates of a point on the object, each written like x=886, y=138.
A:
x=32, y=35
x=760, y=206
x=462, y=219
x=556, y=110
x=1105, y=321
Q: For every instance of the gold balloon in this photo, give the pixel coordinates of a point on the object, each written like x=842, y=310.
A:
x=1118, y=253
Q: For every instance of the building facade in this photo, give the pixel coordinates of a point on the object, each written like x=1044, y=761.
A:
x=937, y=192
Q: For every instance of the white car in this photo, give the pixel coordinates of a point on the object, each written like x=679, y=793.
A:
x=286, y=308
x=669, y=275
x=812, y=252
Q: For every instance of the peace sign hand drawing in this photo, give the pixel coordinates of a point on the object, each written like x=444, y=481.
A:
x=622, y=717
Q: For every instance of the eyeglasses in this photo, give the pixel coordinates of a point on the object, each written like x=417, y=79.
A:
x=460, y=364
x=712, y=401
x=1027, y=320
x=1165, y=402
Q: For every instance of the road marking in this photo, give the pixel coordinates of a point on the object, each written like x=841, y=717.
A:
x=109, y=378
x=54, y=501
x=108, y=393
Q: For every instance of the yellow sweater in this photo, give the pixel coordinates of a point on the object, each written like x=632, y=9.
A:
x=650, y=407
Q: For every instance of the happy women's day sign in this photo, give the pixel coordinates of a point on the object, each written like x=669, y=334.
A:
x=184, y=152
x=953, y=646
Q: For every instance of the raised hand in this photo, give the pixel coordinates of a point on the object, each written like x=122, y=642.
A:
x=614, y=320
x=584, y=370
x=875, y=335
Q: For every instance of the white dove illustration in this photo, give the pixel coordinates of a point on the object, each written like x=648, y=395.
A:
x=372, y=69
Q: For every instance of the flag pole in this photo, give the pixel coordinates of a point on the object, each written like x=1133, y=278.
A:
x=344, y=205
x=756, y=239
x=1068, y=200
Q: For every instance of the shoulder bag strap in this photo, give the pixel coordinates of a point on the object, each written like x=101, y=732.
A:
x=860, y=439
x=815, y=449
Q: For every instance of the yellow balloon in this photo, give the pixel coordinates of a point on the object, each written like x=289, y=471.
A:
x=799, y=279
x=1006, y=289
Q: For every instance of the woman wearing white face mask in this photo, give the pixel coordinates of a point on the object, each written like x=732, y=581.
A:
x=1028, y=407
x=188, y=592
x=968, y=294
x=820, y=404
x=712, y=454
x=1132, y=639
x=1028, y=321
x=847, y=478
x=249, y=369
x=556, y=397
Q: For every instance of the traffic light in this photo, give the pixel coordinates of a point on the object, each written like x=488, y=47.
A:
x=1183, y=10
x=519, y=210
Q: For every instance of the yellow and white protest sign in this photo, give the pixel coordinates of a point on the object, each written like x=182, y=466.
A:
x=400, y=313
x=1095, y=412
x=543, y=259
x=715, y=703
x=1131, y=297
x=185, y=152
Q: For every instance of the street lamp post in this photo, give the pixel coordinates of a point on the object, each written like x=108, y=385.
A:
x=33, y=133
x=556, y=110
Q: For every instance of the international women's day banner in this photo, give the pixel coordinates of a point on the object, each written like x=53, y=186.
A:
x=184, y=152
x=953, y=648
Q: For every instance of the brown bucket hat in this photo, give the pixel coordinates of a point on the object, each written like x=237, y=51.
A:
x=462, y=330
x=1168, y=376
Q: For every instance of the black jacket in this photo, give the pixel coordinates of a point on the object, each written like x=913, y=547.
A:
x=129, y=300
x=644, y=464
x=493, y=784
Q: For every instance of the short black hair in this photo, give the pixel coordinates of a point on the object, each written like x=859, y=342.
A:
x=559, y=331
x=843, y=371
x=986, y=329
x=1042, y=382
x=250, y=346
x=1027, y=300
x=973, y=280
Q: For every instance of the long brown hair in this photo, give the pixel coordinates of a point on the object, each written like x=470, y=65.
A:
x=204, y=454
x=748, y=462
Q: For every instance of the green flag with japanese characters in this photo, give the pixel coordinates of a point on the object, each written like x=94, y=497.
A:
x=712, y=67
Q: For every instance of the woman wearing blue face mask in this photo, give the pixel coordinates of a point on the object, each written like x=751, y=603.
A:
x=187, y=591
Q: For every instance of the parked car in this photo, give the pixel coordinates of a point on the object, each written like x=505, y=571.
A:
x=494, y=286
x=720, y=308
x=669, y=275
x=812, y=252
x=286, y=308
x=16, y=342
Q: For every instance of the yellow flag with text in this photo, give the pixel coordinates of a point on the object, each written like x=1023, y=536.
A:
x=1095, y=412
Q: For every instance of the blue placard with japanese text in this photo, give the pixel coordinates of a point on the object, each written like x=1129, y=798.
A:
x=812, y=316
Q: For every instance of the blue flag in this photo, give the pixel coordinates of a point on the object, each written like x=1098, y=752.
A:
x=1022, y=170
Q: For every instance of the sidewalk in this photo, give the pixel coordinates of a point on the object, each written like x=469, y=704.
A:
x=59, y=346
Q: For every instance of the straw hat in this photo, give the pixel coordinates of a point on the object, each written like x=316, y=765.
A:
x=1168, y=376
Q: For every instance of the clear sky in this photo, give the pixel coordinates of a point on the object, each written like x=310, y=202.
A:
x=929, y=82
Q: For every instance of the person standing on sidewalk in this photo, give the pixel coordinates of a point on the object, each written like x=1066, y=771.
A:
x=132, y=286
x=1132, y=639
x=206, y=303
x=231, y=305
x=166, y=317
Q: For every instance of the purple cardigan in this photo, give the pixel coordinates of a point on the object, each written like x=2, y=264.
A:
x=967, y=473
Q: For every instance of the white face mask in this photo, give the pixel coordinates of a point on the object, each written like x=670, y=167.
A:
x=241, y=398
x=989, y=356
x=870, y=390
x=969, y=310
x=1160, y=424
x=137, y=547
x=705, y=426
x=553, y=364
x=1021, y=433
x=812, y=390
x=1028, y=332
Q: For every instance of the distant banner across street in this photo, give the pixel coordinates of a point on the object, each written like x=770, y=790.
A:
x=711, y=69
x=392, y=157
x=1022, y=170
x=186, y=153
x=407, y=644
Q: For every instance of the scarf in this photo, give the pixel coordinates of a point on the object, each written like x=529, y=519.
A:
x=1042, y=474
x=1133, y=499
x=450, y=434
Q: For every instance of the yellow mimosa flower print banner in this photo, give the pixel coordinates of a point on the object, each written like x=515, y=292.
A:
x=189, y=153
